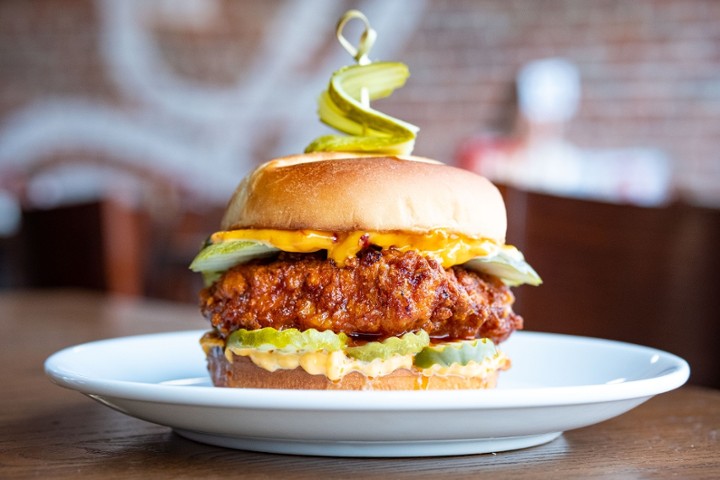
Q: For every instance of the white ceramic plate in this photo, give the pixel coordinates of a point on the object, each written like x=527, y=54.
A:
x=557, y=383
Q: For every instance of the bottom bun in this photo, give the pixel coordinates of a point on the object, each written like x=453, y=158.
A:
x=241, y=372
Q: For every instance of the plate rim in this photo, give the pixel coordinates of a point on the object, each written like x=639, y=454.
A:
x=338, y=400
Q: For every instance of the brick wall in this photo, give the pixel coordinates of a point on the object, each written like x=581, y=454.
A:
x=650, y=74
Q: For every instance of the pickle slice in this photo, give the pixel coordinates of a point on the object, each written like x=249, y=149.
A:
x=461, y=352
x=411, y=342
x=218, y=257
x=508, y=264
x=341, y=107
x=291, y=340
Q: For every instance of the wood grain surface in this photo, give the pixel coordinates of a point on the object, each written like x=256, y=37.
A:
x=48, y=431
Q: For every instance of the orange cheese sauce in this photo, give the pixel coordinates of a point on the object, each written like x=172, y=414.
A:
x=448, y=248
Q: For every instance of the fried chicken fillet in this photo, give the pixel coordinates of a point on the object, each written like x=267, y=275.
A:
x=377, y=294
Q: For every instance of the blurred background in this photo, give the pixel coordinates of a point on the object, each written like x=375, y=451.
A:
x=126, y=124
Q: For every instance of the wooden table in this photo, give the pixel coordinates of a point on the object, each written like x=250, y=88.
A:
x=47, y=431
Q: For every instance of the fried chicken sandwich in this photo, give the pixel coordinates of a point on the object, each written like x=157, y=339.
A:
x=352, y=271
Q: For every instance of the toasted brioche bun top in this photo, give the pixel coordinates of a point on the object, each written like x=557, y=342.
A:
x=346, y=192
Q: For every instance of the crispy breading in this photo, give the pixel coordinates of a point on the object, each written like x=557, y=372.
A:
x=377, y=294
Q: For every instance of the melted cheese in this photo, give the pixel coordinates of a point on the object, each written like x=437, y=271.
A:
x=334, y=365
x=499, y=361
x=448, y=248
